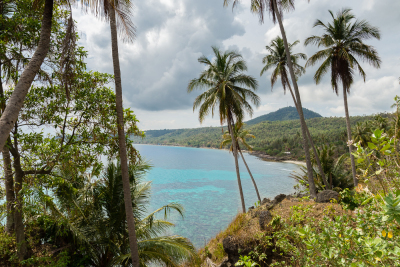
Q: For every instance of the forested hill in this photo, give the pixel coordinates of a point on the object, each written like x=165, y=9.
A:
x=272, y=137
x=284, y=114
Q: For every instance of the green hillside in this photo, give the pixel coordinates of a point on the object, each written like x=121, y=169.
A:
x=283, y=114
x=272, y=137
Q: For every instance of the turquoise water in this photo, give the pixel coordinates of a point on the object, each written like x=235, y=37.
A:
x=204, y=182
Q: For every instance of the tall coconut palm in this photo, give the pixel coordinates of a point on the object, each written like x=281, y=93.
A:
x=240, y=135
x=343, y=43
x=229, y=90
x=277, y=59
x=276, y=8
x=123, y=8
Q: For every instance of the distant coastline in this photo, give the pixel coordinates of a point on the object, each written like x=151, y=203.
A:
x=257, y=154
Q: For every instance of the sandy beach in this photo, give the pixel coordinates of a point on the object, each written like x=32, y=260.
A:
x=302, y=163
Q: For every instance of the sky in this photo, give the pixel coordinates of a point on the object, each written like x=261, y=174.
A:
x=172, y=34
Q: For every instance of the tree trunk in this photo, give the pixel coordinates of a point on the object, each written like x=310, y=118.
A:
x=10, y=196
x=18, y=215
x=235, y=155
x=312, y=145
x=311, y=183
x=122, y=143
x=346, y=110
x=10, y=115
x=251, y=176
x=8, y=175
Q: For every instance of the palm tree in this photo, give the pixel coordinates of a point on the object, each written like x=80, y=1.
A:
x=227, y=89
x=276, y=8
x=94, y=211
x=335, y=169
x=126, y=27
x=240, y=135
x=277, y=58
x=362, y=133
x=343, y=42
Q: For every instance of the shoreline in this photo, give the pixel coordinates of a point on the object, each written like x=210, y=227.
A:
x=187, y=146
x=258, y=154
x=297, y=162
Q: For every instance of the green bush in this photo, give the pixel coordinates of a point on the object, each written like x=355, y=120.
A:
x=368, y=238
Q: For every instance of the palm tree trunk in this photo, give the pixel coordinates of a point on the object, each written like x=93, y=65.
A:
x=312, y=144
x=235, y=155
x=311, y=183
x=9, y=184
x=251, y=176
x=346, y=110
x=10, y=115
x=122, y=143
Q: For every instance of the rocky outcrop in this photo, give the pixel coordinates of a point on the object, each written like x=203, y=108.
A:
x=265, y=201
x=326, y=196
x=232, y=249
x=278, y=199
x=264, y=217
x=271, y=204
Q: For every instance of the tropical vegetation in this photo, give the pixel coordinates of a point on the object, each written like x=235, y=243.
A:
x=75, y=191
x=272, y=137
x=63, y=206
x=360, y=228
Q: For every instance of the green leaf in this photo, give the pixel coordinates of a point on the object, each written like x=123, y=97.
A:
x=368, y=200
x=371, y=145
x=302, y=232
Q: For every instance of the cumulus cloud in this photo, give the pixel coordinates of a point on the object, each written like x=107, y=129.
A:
x=172, y=34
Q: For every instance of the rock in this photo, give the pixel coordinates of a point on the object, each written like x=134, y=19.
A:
x=269, y=206
x=300, y=195
x=326, y=196
x=209, y=263
x=225, y=263
x=251, y=208
x=279, y=198
x=264, y=217
x=265, y=201
x=231, y=249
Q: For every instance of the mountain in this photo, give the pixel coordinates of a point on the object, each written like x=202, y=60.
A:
x=284, y=114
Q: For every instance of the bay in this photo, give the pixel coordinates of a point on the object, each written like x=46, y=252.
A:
x=204, y=182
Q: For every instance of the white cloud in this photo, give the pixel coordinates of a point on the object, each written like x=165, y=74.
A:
x=171, y=35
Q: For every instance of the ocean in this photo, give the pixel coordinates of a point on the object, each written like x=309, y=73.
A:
x=204, y=182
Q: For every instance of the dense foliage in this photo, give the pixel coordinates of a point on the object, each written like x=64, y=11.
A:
x=272, y=137
x=63, y=206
